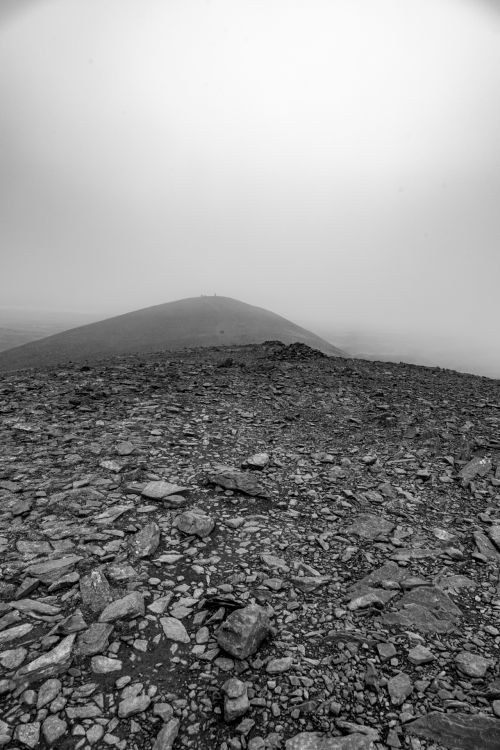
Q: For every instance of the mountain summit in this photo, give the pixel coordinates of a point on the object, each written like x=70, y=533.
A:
x=185, y=323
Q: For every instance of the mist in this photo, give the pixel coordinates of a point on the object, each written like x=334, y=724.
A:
x=335, y=162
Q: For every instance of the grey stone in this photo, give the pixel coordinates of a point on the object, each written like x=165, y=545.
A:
x=50, y=571
x=47, y=692
x=258, y=460
x=276, y=666
x=104, y=664
x=494, y=535
x=50, y=664
x=418, y=617
x=233, y=479
x=193, y=522
x=94, y=640
x=95, y=591
x=158, y=490
x=478, y=466
x=174, y=629
x=399, y=687
x=321, y=741
x=53, y=728
x=167, y=735
x=18, y=631
x=420, y=655
x=133, y=705
x=236, y=702
x=243, y=631
x=28, y=734
x=131, y=605
x=369, y=526
x=473, y=665
x=13, y=658
x=146, y=541
x=458, y=731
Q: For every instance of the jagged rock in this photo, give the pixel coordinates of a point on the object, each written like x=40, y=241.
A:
x=494, y=535
x=174, y=630
x=158, y=490
x=28, y=734
x=258, y=461
x=418, y=617
x=478, y=466
x=167, y=735
x=50, y=571
x=47, y=692
x=369, y=526
x=277, y=666
x=399, y=687
x=127, y=607
x=105, y=664
x=133, y=705
x=53, y=728
x=271, y=561
x=434, y=600
x=457, y=731
x=310, y=583
x=18, y=631
x=95, y=591
x=50, y=664
x=321, y=741
x=94, y=640
x=233, y=479
x=146, y=541
x=121, y=572
x=73, y=623
x=13, y=658
x=243, y=631
x=125, y=448
x=236, y=702
x=369, y=598
x=194, y=522
x=5, y=733
x=473, y=665
x=420, y=655
x=486, y=547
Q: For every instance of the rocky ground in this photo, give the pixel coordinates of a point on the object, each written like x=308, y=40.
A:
x=250, y=548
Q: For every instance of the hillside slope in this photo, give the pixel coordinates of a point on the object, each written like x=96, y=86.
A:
x=191, y=322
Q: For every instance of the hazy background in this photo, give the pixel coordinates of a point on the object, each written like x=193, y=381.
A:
x=337, y=162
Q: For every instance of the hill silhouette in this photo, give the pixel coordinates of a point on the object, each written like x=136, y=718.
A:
x=185, y=323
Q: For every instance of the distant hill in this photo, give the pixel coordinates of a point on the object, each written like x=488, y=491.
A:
x=192, y=322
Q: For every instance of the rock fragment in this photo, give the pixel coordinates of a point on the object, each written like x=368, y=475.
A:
x=243, y=631
x=131, y=605
x=195, y=522
x=457, y=731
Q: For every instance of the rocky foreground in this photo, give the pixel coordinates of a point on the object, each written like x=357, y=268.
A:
x=251, y=548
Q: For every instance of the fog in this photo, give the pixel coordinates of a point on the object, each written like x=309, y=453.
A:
x=335, y=161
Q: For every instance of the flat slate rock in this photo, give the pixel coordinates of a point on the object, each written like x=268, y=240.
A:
x=321, y=741
x=418, y=617
x=234, y=479
x=157, y=490
x=458, y=731
x=54, y=662
x=370, y=526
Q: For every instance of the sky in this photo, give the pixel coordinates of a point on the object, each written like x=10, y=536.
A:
x=336, y=161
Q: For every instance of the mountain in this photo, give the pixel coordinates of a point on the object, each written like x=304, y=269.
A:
x=185, y=323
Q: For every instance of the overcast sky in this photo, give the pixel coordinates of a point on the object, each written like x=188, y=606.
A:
x=333, y=160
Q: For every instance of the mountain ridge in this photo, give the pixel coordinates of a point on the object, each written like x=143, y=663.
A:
x=184, y=323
